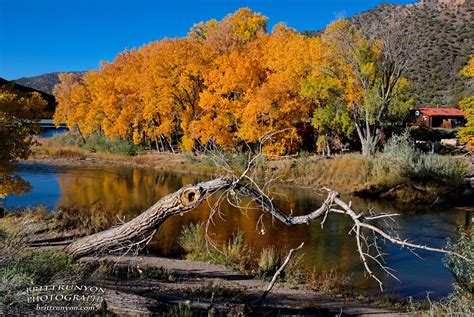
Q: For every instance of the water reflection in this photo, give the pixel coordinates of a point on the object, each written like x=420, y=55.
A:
x=114, y=193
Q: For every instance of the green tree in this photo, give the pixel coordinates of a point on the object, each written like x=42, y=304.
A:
x=365, y=74
x=331, y=122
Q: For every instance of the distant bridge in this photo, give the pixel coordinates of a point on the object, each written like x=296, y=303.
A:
x=49, y=124
x=49, y=128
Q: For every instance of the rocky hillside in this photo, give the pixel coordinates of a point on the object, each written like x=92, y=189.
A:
x=44, y=83
x=443, y=36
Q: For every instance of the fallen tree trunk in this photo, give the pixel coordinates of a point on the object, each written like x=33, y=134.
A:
x=134, y=233
x=128, y=234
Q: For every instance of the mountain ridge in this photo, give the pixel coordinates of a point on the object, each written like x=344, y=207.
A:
x=43, y=82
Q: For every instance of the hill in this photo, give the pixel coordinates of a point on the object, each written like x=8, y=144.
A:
x=44, y=83
x=51, y=106
x=443, y=36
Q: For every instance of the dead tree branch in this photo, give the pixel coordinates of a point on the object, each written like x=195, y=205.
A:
x=137, y=232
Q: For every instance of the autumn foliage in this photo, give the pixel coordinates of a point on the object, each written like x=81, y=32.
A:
x=19, y=119
x=466, y=134
x=226, y=84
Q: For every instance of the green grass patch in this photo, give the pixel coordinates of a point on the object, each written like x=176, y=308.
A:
x=233, y=254
x=236, y=255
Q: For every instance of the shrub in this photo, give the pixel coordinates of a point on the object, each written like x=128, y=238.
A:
x=402, y=160
x=97, y=142
x=234, y=254
x=100, y=143
x=21, y=268
x=12, y=282
x=462, y=269
x=267, y=263
x=270, y=260
x=37, y=264
x=331, y=281
x=67, y=139
x=192, y=241
x=460, y=301
x=303, y=161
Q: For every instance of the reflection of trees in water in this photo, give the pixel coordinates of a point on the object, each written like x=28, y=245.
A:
x=103, y=196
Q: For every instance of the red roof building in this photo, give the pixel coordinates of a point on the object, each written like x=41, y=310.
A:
x=440, y=117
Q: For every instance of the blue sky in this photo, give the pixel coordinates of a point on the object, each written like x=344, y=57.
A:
x=42, y=36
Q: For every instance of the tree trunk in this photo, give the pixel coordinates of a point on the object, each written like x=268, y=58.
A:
x=369, y=143
x=134, y=232
x=80, y=133
x=126, y=235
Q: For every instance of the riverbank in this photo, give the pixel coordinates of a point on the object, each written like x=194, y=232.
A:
x=147, y=285
x=349, y=173
x=203, y=287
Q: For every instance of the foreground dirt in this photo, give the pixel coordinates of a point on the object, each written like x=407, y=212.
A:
x=203, y=287
x=145, y=285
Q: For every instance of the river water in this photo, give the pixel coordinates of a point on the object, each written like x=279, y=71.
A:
x=103, y=195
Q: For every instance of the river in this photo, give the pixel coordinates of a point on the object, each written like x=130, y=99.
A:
x=107, y=195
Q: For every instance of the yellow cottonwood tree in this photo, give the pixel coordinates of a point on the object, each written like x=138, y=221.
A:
x=365, y=75
x=171, y=83
x=276, y=104
x=115, y=97
x=229, y=83
x=74, y=101
x=234, y=31
x=466, y=134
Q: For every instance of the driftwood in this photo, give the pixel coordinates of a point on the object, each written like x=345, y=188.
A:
x=134, y=232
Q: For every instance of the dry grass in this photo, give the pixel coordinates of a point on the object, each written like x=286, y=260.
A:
x=50, y=148
x=71, y=155
x=84, y=221
x=347, y=173
x=330, y=281
x=271, y=259
x=234, y=254
x=72, y=152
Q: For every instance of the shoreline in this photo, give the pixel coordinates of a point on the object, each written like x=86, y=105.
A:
x=200, y=276
x=283, y=170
